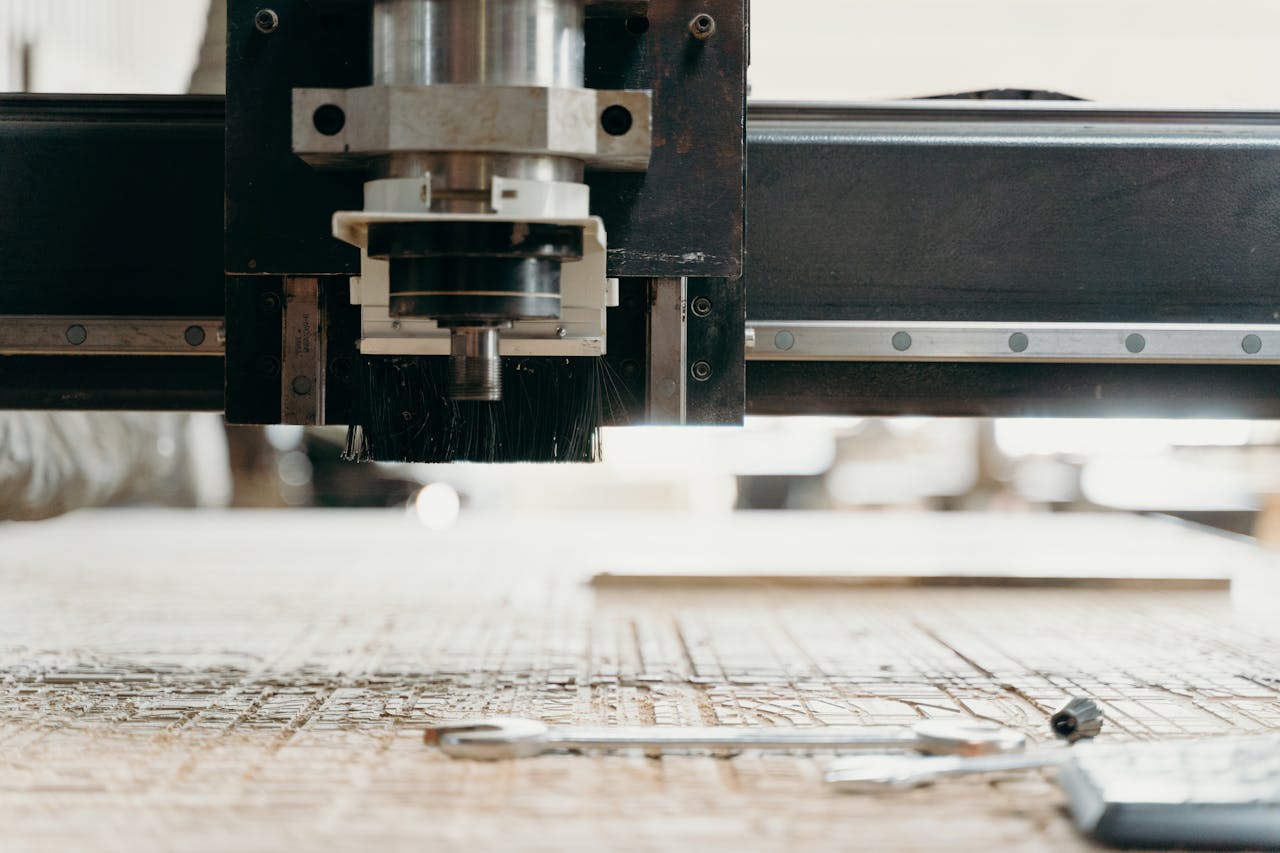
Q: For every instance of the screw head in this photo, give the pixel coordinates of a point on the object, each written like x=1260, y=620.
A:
x=194, y=335
x=1018, y=342
x=701, y=306
x=1252, y=344
x=1135, y=343
x=301, y=385
x=784, y=340
x=902, y=341
x=700, y=371
x=76, y=335
x=561, y=331
x=266, y=21
x=702, y=27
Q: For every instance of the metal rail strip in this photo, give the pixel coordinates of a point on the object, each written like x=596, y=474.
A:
x=70, y=335
x=1096, y=343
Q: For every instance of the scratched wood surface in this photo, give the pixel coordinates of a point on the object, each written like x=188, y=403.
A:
x=260, y=681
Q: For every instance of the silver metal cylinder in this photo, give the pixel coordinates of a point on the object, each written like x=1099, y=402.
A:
x=475, y=369
x=478, y=42
x=485, y=42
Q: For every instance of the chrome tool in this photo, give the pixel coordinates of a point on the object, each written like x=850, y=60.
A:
x=502, y=738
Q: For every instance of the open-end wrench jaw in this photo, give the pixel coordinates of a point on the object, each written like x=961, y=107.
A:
x=490, y=739
x=951, y=736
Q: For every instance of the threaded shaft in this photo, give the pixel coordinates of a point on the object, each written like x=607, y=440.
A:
x=475, y=368
x=475, y=378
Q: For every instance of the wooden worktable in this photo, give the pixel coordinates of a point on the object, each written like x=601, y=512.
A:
x=256, y=681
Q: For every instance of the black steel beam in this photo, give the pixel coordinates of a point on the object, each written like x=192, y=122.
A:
x=105, y=382
x=112, y=205
x=931, y=212
x=1060, y=212
x=869, y=389
x=1017, y=213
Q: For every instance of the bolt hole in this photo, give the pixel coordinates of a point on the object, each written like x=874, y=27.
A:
x=702, y=26
x=329, y=119
x=266, y=21
x=616, y=120
x=637, y=26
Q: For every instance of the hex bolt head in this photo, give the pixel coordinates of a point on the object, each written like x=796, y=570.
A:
x=701, y=306
x=266, y=21
x=194, y=335
x=1080, y=718
x=702, y=27
x=76, y=335
x=700, y=371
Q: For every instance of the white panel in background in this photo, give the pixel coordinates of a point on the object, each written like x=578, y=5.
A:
x=101, y=46
x=1135, y=52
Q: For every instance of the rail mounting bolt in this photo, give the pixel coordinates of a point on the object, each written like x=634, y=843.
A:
x=702, y=27
x=266, y=21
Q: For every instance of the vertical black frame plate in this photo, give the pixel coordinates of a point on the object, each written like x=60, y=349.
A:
x=716, y=387
x=684, y=217
x=278, y=209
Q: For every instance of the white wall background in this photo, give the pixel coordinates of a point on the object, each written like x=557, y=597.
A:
x=1135, y=52
x=1158, y=52
x=129, y=46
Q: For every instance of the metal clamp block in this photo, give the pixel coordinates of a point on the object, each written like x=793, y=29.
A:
x=605, y=129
